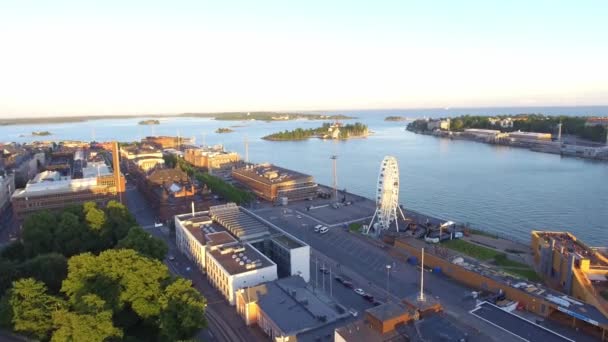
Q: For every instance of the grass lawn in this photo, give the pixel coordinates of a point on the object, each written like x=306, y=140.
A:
x=472, y=250
x=355, y=227
x=527, y=273
x=499, y=259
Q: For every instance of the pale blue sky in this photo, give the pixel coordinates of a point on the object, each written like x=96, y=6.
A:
x=85, y=57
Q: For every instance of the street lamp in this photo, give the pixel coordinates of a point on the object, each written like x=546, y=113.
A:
x=388, y=272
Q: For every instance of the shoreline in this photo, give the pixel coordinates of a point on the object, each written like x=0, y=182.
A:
x=598, y=153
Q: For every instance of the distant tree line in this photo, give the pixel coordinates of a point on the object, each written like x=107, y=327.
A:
x=92, y=274
x=573, y=125
x=217, y=185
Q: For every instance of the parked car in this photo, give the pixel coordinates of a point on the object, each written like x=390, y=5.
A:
x=359, y=291
x=348, y=284
x=324, y=270
x=317, y=227
x=323, y=230
x=376, y=302
x=339, y=279
x=299, y=216
x=368, y=297
x=171, y=258
x=353, y=312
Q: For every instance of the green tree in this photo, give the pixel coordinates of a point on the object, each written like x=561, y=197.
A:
x=119, y=220
x=71, y=236
x=144, y=243
x=96, y=219
x=122, y=278
x=38, y=230
x=8, y=273
x=51, y=269
x=183, y=311
x=92, y=323
x=14, y=251
x=457, y=125
x=32, y=308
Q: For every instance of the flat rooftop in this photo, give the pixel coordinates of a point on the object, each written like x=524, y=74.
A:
x=292, y=305
x=570, y=244
x=516, y=325
x=239, y=222
x=361, y=331
x=388, y=311
x=239, y=258
x=271, y=174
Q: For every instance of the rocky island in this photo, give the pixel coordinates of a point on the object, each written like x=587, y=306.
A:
x=327, y=131
x=396, y=118
x=149, y=122
x=224, y=130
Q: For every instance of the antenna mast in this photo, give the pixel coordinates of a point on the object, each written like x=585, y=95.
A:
x=334, y=159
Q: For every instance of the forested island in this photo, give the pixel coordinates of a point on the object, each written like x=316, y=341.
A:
x=326, y=131
x=41, y=133
x=224, y=130
x=578, y=126
x=396, y=118
x=229, y=116
x=149, y=122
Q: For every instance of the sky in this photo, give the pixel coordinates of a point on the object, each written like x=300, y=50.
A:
x=84, y=57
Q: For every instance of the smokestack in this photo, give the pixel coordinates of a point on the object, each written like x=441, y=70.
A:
x=192, y=209
x=116, y=166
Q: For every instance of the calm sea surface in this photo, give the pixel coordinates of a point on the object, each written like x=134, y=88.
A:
x=500, y=189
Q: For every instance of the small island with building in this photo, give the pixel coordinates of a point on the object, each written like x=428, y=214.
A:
x=41, y=133
x=326, y=131
x=149, y=122
x=223, y=130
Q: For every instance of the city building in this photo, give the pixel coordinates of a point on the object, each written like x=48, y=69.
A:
x=231, y=267
x=142, y=157
x=577, y=312
x=484, y=134
x=51, y=190
x=163, y=142
x=397, y=322
x=286, y=308
x=530, y=136
x=7, y=186
x=169, y=191
x=597, y=121
x=213, y=157
x=573, y=267
x=201, y=236
x=273, y=183
x=441, y=124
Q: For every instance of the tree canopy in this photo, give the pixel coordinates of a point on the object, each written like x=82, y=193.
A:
x=143, y=242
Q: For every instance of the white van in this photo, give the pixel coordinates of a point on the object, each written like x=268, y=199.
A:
x=323, y=230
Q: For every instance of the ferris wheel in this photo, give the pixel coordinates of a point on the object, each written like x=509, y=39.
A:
x=387, y=196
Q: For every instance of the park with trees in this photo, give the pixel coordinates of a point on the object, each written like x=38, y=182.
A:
x=572, y=125
x=90, y=273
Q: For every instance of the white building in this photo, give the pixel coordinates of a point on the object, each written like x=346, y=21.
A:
x=267, y=251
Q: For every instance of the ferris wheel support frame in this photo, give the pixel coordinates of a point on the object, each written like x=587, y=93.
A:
x=389, y=164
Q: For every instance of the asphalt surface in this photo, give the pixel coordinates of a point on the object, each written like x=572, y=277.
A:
x=224, y=324
x=366, y=264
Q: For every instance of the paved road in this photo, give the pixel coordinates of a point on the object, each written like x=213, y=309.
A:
x=367, y=264
x=224, y=323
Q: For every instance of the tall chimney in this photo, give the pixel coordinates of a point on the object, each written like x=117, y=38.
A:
x=116, y=167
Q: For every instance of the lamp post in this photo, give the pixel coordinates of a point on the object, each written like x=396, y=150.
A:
x=388, y=273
